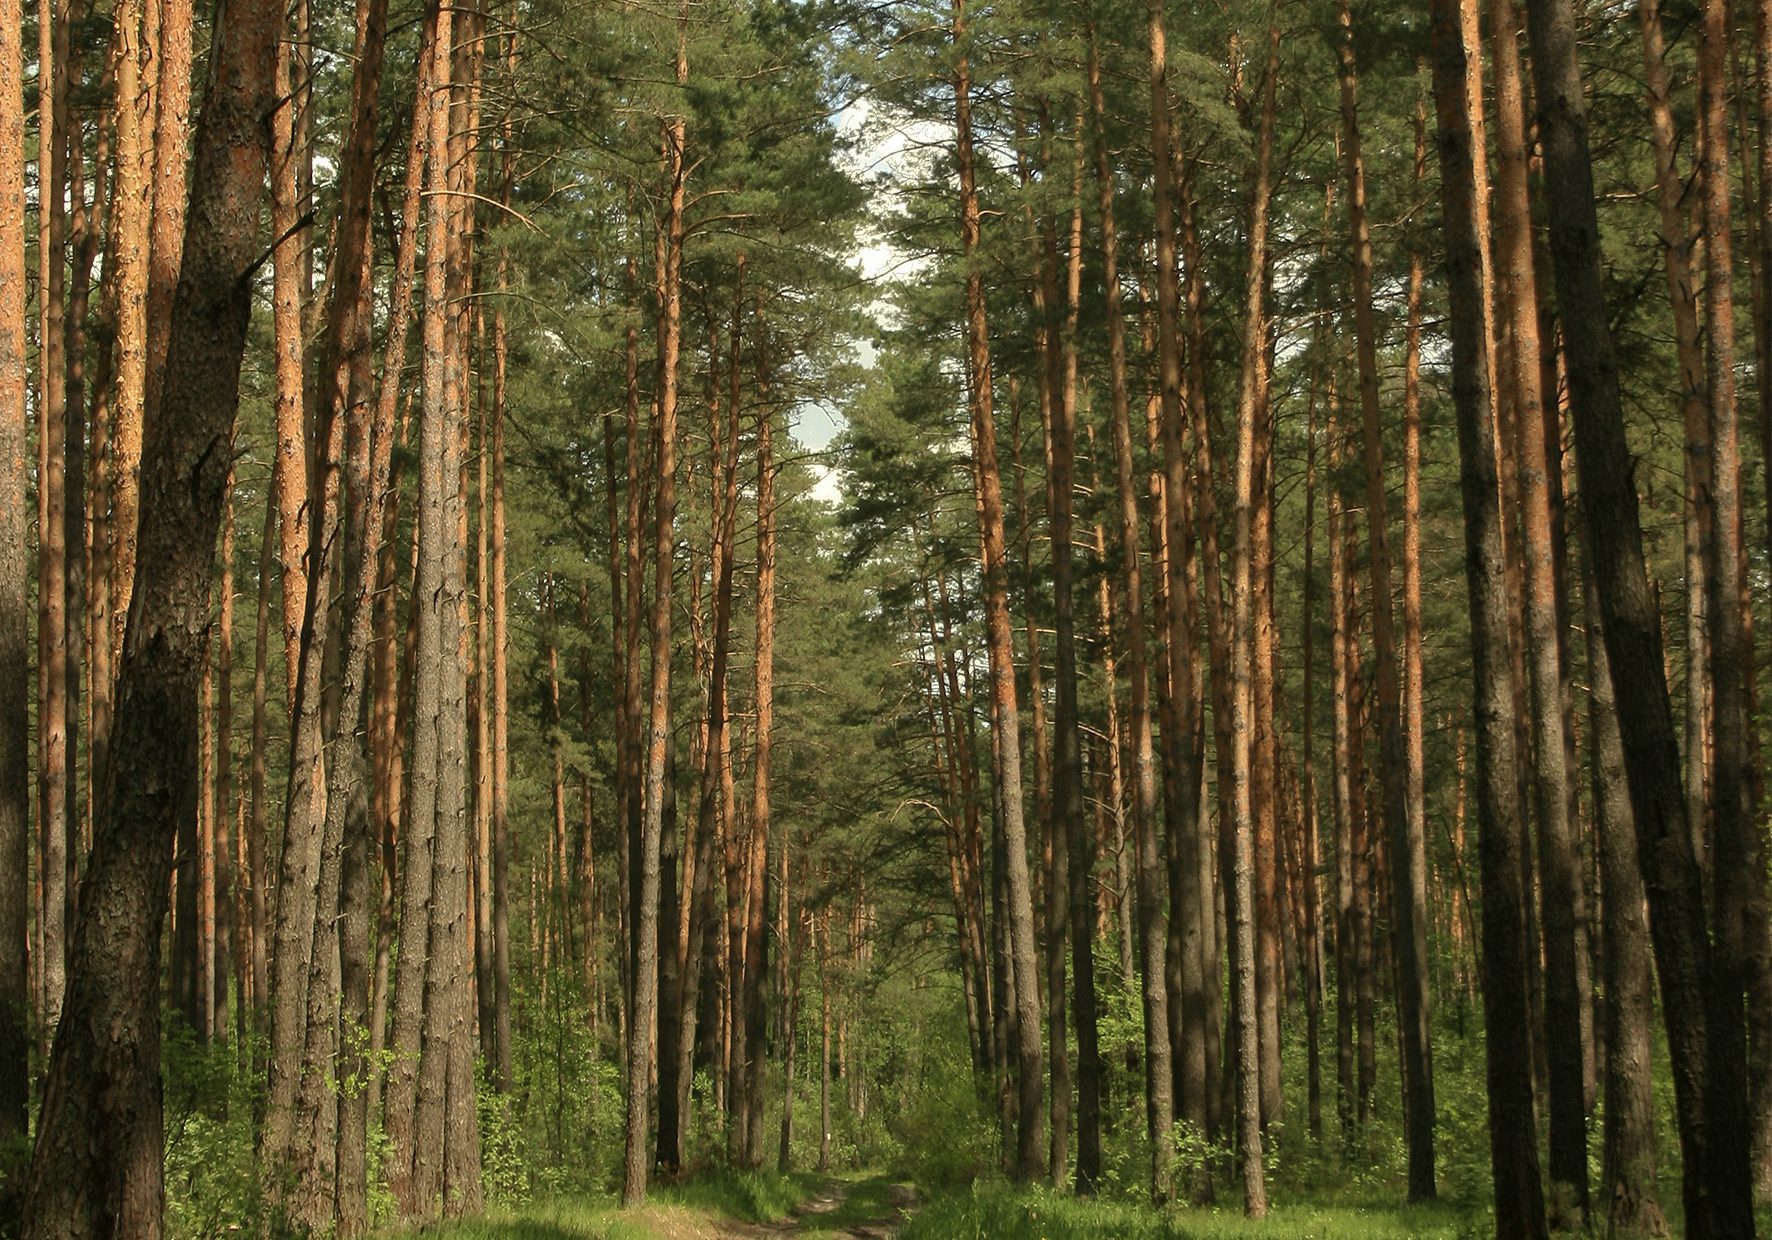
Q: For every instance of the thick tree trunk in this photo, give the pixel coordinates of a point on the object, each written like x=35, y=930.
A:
x=412, y=1183
x=15, y=724
x=1407, y=844
x=1513, y=1138
x=1716, y=1204
x=1760, y=232
x=97, y=1168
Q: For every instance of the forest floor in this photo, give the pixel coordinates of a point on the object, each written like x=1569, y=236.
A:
x=803, y=1207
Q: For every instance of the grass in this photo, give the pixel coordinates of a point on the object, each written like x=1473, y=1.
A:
x=867, y=1200
x=1039, y=1214
x=692, y=1210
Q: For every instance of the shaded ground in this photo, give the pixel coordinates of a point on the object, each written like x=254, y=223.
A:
x=872, y=1209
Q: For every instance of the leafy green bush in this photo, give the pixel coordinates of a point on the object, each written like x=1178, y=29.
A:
x=950, y=1135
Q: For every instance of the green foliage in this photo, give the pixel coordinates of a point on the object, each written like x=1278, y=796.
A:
x=504, y=1178
x=212, y=1179
x=950, y=1128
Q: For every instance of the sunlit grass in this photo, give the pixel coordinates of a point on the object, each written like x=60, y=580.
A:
x=1044, y=1215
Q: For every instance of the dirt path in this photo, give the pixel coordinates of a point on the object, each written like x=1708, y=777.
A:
x=870, y=1210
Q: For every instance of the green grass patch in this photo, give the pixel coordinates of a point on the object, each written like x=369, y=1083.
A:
x=863, y=1201
x=1044, y=1215
x=753, y=1196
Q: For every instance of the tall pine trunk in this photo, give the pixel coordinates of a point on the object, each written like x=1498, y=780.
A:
x=1005, y=729
x=1407, y=846
x=1513, y=1138
x=1249, y=1144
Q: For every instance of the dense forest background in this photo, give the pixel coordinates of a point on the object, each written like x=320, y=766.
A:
x=1159, y=599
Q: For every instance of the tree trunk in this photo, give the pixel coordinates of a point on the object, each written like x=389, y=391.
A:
x=394, y=688
x=429, y=645
x=1513, y=1138
x=221, y=813
x=756, y=956
x=288, y=263
x=54, y=757
x=1414, y=686
x=645, y=929
x=1166, y=1097
x=97, y=1166
x=1242, y=626
x=1716, y=1204
x=15, y=723
x=1736, y=840
x=137, y=61
x=1067, y=731
x=1407, y=843
x=1005, y=730
x=1563, y=913
x=1627, y=1171
x=1152, y=932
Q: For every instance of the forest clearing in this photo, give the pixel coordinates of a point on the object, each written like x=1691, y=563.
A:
x=1059, y=618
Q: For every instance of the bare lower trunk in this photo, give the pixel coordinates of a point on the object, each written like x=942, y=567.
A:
x=1513, y=1140
x=15, y=724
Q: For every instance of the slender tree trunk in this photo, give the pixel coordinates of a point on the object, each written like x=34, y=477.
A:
x=1627, y=1170
x=1407, y=843
x=1242, y=625
x=97, y=1166
x=1414, y=682
x=645, y=930
x=54, y=710
x=170, y=151
x=1005, y=729
x=222, y=900
x=824, y=1059
x=137, y=61
x=1343, y=653
x=288, y=263
x=756, y=957
x=1068, y=728
x=1166, y=1097
x=1153, y=933
x=501, y=689
x=1513, y=1139
x=1312, y=848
